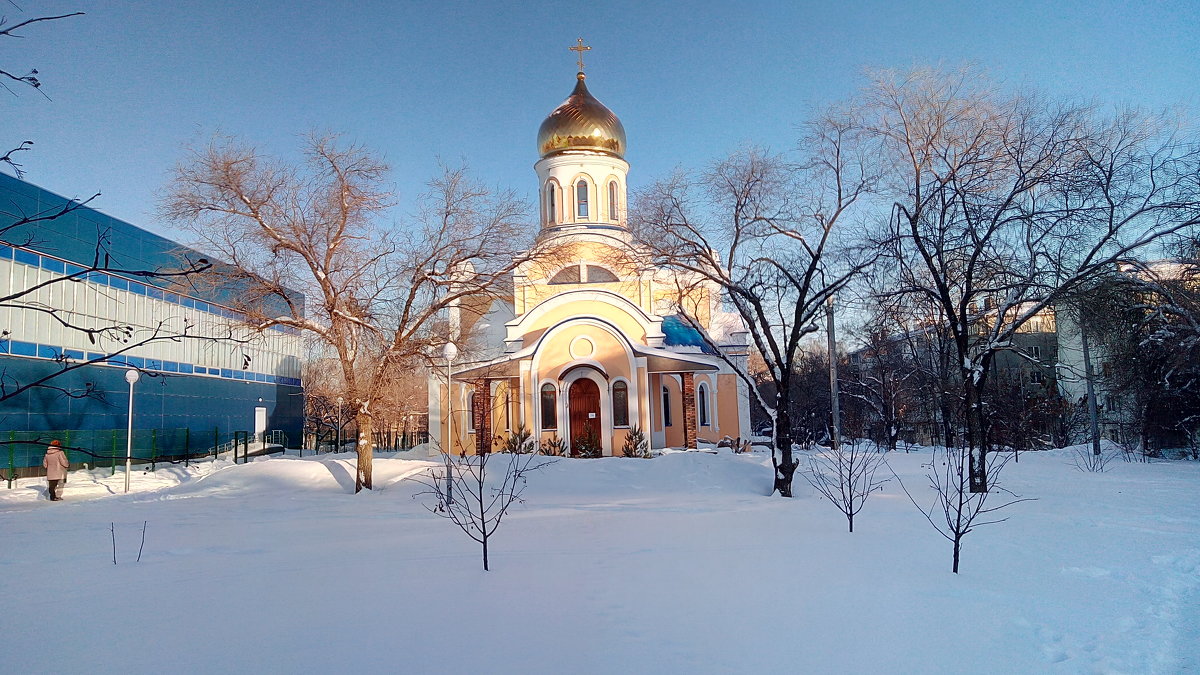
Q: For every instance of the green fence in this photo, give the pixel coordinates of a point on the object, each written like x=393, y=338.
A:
x=105, y=448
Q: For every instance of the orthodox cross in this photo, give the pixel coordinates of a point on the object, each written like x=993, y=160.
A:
x=581, y=48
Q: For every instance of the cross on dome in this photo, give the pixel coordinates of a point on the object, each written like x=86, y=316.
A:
x=581, y=48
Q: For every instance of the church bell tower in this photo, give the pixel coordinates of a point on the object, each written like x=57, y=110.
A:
x=582, y=169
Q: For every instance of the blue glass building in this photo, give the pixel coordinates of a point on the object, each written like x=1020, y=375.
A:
x=190, y=378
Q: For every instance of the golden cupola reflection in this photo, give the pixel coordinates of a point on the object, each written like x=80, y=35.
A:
x=581, y=123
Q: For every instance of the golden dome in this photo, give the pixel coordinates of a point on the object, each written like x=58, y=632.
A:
x=581, y=123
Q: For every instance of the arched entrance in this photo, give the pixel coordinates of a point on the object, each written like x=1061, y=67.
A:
x=585, y=415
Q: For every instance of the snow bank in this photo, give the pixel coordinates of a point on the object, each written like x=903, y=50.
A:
x=679, y=564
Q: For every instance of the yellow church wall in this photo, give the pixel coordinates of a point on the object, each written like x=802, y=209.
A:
x=503, y=409
x=557, y=353
x=709, y=432
x=619, y=436
x=674, y=433
x=614, y=315
x=534, y=288
x=505, y=413
x=695, y=302
x=727, y=405
x=602, y=253
x=535, y=295
x=565, y=349
x=455, y=434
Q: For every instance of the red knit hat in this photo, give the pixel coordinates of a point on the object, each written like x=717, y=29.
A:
x=56, y=442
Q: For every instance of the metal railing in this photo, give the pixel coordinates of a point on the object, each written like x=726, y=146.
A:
x=21, y=452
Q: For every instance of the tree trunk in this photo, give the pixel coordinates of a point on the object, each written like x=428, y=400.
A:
x=957, y=547
x=976, y=437
x=485, y=552
x=362, y=477
x=785, y=466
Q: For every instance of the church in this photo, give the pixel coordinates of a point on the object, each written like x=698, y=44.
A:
x=592, y=342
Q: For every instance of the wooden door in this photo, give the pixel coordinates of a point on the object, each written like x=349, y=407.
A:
x=585, y=414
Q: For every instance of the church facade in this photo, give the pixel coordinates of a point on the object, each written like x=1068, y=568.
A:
x=592, y=343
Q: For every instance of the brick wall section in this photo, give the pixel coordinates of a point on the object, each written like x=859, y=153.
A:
x=482, y=418
x=689, y=410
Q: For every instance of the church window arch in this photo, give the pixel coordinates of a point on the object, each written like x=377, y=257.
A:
x=551, y=204
x=549, y=404
x=567, y=275
x=600, y=275
x=666, y=406
x=581, y=198
x=470, y=411
x=620, y=403
x=612, y=201
x=702, y=404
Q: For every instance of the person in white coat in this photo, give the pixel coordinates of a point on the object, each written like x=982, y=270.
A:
x=56, y=469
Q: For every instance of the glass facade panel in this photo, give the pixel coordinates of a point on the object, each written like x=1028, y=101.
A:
x=26, y=257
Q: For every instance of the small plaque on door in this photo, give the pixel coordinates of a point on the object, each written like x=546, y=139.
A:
x=591, y=416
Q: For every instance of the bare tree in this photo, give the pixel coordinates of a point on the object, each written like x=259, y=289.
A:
x=956, y=511
x=767, y=234
x=1142, y=324
x=475, y=498
x=1002, y=205
x=30, y=78
x=845, y=475
x=884, y=379
x=372, y=294
x=399, y=414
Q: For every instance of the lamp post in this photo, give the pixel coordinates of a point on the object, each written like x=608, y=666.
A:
x=131, y=376
x=449, y=352
x=339, y=429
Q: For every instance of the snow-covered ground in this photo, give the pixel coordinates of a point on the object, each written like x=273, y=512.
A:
x=674, y=565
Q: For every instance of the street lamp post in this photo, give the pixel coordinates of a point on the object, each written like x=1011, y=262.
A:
x=131, y=376
x=449, y=352
x=339, y=429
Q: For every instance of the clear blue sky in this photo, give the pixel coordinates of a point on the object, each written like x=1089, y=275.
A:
x=133, y=83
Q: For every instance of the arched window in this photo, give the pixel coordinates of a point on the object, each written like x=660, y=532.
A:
x=612, y=200
x=702, y=404
x=549, y=407
x=620, y=404
x=666, y=395
x=551, y=204
x=567, y=275
x=471, y=411
x=599, y=275
x=581, y=198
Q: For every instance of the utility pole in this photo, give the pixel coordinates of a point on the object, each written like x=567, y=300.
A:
x=1093, y=418
x=835, y=431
